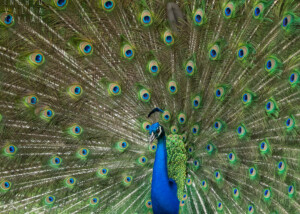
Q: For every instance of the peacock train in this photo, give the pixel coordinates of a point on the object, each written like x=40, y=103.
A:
x=150, y=106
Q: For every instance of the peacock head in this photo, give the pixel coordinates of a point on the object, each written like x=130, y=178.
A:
x=156, y=130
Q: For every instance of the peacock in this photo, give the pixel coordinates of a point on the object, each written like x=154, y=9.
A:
x=150, y=106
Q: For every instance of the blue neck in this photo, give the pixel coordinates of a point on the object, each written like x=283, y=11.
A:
x=160, y=169
x=163, y=191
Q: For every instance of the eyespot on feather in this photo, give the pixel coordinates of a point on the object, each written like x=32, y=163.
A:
x=144, y=95
x=181, y=118
x=146, y=18
x=49, y=200
x=153, y=67
x=60, y=4
x=30, y=101
x=172, y=87
x=75, y=130
x=70, y=182
x=199, y=17
x=55, y=161
x=36, y=59
x=108, y=5
x=5, y=185
x=128, y=52
x=114, y=89
x=7, y=19
x=168, y=38
x=10, y=150
x=85, y=48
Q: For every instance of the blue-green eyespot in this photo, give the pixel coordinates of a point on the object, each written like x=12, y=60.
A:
x=146, y=18
x=199, y=17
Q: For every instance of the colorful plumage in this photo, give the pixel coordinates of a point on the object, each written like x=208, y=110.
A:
x=221, y=80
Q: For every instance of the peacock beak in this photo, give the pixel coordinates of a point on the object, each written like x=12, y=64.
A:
x=152, y=137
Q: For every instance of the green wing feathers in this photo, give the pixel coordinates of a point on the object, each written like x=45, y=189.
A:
x=177, y=159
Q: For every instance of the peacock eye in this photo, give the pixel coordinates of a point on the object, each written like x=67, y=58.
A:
x=252, y=173
x=30, y=101
x=168, y=38
x=114, y=89
x=250, y=209
x=236, y=193
x=75, y=91
x=7, y=19
x=128, y=52
x=122, y=146
x=241, y=131
x=102, y=172
x=272, y=65
x=258, y=11
x=142, y=160
x=220, y=93
x=61, y=4
x=36, y=59
x=195, y=129
x=86, y=48
x=83, y=153
x=281, y=165
x=196, y=164
x=148, y=204
x=219, y=206
x=247, y=98
x=5, y=185
x=218, y=125
x=152, y=147
x=210, y=148
x=242, y=52
x=291, y=191
x=190, y=68
x=166, y=116
x=146, y=126
x=290, y=123
x=181, y=118
x=146, y=18
x=267, y=194
x=229, y=10
x=214, y=52
x=127, y=180
x=47, y=114
x=196, y=102
x=294, y=78
x=232, y=158
x=153, y=67
x=174, y=129
x=172, y=87
x=217, y=176
x=108, y=5
x=144, y=95
x=94, y=201
x=49, y=200
x=10, y=150
x=271, y=107
x=55, y=161
x=198, y=17
x=75, y=130
x=70, y=182
x=286, y=21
